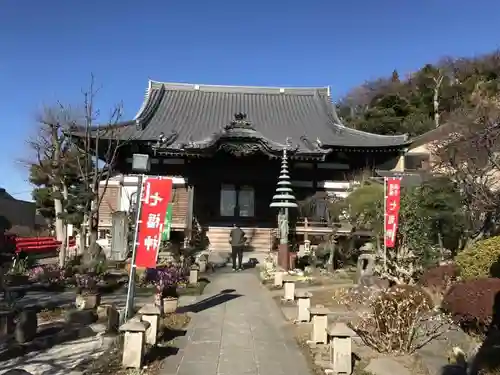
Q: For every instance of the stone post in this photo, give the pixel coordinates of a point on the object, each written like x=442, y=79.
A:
x=278, y=278
x=134, y=342
x=289, y=287
x=151, y=314
x=26, y=326
x=112, y=320
x=319, y=317
x=7, y=325
x=365, y=264
x=203, y=266
x=193, y=275
x=303, y=306
x=340, y=348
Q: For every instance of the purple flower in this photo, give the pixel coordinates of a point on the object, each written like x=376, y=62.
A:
x=49, y=272
x=86, y=282
x=165, y=277
x=36, y=273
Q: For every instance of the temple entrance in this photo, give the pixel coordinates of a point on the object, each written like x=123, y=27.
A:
x=237, y=201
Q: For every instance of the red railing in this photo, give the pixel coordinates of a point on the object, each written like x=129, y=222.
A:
x=39, y=244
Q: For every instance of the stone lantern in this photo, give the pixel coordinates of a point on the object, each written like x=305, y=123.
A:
x=283, y=200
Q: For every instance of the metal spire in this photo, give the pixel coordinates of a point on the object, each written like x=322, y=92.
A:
x=284, y=197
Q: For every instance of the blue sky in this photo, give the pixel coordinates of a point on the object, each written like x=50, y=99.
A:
x=49, y=48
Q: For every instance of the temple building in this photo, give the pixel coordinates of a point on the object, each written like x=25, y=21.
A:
x=223, y=144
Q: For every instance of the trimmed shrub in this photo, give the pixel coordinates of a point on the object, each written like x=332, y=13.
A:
x=472, y=304
x=440, y=277
x=480, y=260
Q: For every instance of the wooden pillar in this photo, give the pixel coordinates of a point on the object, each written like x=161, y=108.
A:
x=306, y=225
x=315, y=177
x=188, y=232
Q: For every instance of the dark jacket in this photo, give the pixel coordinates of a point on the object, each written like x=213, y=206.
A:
x=237, y=237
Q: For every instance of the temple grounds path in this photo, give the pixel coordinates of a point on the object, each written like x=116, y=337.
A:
x=236, y=329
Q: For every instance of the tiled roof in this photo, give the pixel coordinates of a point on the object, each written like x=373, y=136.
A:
x=197, y=112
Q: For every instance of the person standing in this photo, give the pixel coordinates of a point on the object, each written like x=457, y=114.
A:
x=237, y=241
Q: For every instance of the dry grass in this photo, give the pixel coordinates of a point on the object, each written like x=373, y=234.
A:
x=331, y=297
x=363, y=357
x=47, y=315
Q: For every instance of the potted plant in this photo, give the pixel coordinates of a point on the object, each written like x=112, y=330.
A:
x=166, y=296
x=17, y=274
x=87, y=295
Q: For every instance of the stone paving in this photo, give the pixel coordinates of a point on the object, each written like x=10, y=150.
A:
x=236, y=329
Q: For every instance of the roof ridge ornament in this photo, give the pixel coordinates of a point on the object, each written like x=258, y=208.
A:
x=239, y=122
x=165, y=141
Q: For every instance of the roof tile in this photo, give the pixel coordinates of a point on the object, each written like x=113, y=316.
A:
x=196, y=112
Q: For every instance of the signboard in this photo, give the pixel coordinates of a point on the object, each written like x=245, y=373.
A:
x=168, y=223
x=155, y=198
x=392, y=188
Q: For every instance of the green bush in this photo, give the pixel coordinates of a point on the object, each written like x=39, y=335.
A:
x=480, y=260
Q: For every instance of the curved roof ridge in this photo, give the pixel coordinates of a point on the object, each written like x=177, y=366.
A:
x=383, y=136
x=239, y=88
x=338, y=122
x=146, y=99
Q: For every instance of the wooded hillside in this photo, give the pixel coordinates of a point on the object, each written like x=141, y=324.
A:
x=423, y=100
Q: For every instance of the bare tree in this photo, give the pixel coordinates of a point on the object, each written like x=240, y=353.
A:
x=99, y=145
x=470, y=156
x=67, y=139
x=438, y=81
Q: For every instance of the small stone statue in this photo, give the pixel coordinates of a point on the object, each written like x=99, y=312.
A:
x=283, y=226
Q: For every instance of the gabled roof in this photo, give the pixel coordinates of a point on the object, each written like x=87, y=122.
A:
x=195, y=113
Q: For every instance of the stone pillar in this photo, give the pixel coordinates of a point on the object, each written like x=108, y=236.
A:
x=26, y=326
x=340, y=348
x=134, y=343
x=278, y=278
x=7, y=325
x=112, y=320
x=364, y=267
x=319, y=317
x=203, y=266
x=289, y=287
x=193, y=275
x=303, y=306
x=151, y=314
x=283, y=257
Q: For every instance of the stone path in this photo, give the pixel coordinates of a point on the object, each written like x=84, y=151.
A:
x=237, y=329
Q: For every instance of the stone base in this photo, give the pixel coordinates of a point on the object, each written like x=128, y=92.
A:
x=170, y=305
x=88, y=301
x=83, y=317
x=284, y=257
x=107, y=339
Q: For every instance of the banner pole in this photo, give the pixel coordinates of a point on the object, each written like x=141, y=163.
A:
x=129, y=305
x=385, y=223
